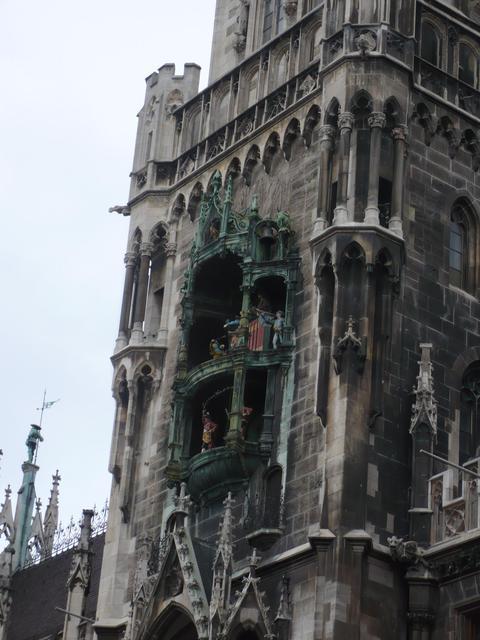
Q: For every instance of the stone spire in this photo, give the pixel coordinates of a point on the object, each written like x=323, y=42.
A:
x=50, y=523
x=6, y=516
x=222, y=571
x=79, y=580
x=424, y=410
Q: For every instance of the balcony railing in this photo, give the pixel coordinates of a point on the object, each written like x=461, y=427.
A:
x=454, y=498
x=447, y=87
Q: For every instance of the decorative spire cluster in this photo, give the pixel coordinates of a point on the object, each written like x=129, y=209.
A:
x=424, y=410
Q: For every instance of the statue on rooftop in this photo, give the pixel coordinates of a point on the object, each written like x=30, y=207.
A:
x=33, y=440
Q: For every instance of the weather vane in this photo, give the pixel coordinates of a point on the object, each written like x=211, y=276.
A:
x=34, y=437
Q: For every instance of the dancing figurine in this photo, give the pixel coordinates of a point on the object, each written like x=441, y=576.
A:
x=278, y=326
x=209, y=428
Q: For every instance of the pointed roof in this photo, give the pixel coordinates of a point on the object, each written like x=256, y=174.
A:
x=424, y=409
x=251, y=592
x=6, y=516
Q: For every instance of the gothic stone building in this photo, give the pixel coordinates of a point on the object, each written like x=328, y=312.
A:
x=300, y=321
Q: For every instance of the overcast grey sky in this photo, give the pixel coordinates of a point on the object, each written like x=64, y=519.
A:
x=72, y=83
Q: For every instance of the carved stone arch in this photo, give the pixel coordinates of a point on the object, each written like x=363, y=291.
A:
x=143, y=370
x=215, y=180
x=291, y=134
x=220, y=107
x=194, y=200
x=174, y=623
x=471, y=143
x=280, y=63
x=251, y=161
x=173, y=101
x=461, y=364
x=272, y=147
x=331, y=112
x=159, y=237
x=324, y=262
x=393, y=112
x=447, y=129
x=310, y=50
x=136, y=241
x=191, y=127
x=353, y=251
x=312, y=119
x=423, y=115
x=234, y=169
x=361, y=102
x=178, y=208
x=249, y=87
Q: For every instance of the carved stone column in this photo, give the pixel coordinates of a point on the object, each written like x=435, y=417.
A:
x=345, y=124
x=399, y=135
x=327, y=139
x=130, y=262
x=234, y=437
x=376, y=121
x=170, y=254
x=127, y=462
x=141, y=294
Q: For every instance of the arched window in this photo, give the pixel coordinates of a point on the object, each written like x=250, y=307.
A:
x=463, y=247
x=282, y=73
x=457, y=253
x=221, y=115
x=430, y=45
x=469, y=416
x=193, y=130
x=467, y=64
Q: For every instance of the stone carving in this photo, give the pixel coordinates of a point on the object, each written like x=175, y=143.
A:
x=242, y=26
x=123, y=210
x=290, y=7
x=349, y=340
x=173, y=102
x=365, y=42
x=424, y=410
x=406, y=551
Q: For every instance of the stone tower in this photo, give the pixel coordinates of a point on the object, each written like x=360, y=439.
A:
x=299, y=324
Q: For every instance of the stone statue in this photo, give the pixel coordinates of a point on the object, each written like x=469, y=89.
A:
x=242, y=26
x=246, y=413
x=33, y=439
x=209, y=428
x=278, y=326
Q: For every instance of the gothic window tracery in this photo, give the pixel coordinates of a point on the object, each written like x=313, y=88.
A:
x=273, y=19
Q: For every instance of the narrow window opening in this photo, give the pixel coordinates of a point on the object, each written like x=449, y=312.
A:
x=467, y=65
x=430, y=48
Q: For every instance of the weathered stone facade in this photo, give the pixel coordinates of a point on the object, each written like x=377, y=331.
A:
x=328, y=172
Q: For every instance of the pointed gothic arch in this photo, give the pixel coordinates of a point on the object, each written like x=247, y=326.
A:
x=251, y=161
x=175, y=623
x=292, y=133
x=272, y=147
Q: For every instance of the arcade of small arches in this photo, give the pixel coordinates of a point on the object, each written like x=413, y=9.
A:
x=379, y=136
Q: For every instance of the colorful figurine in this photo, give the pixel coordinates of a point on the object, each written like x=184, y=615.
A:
x=209, y=428
x=246, y=413
x=217, y=350
x=278, y=326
